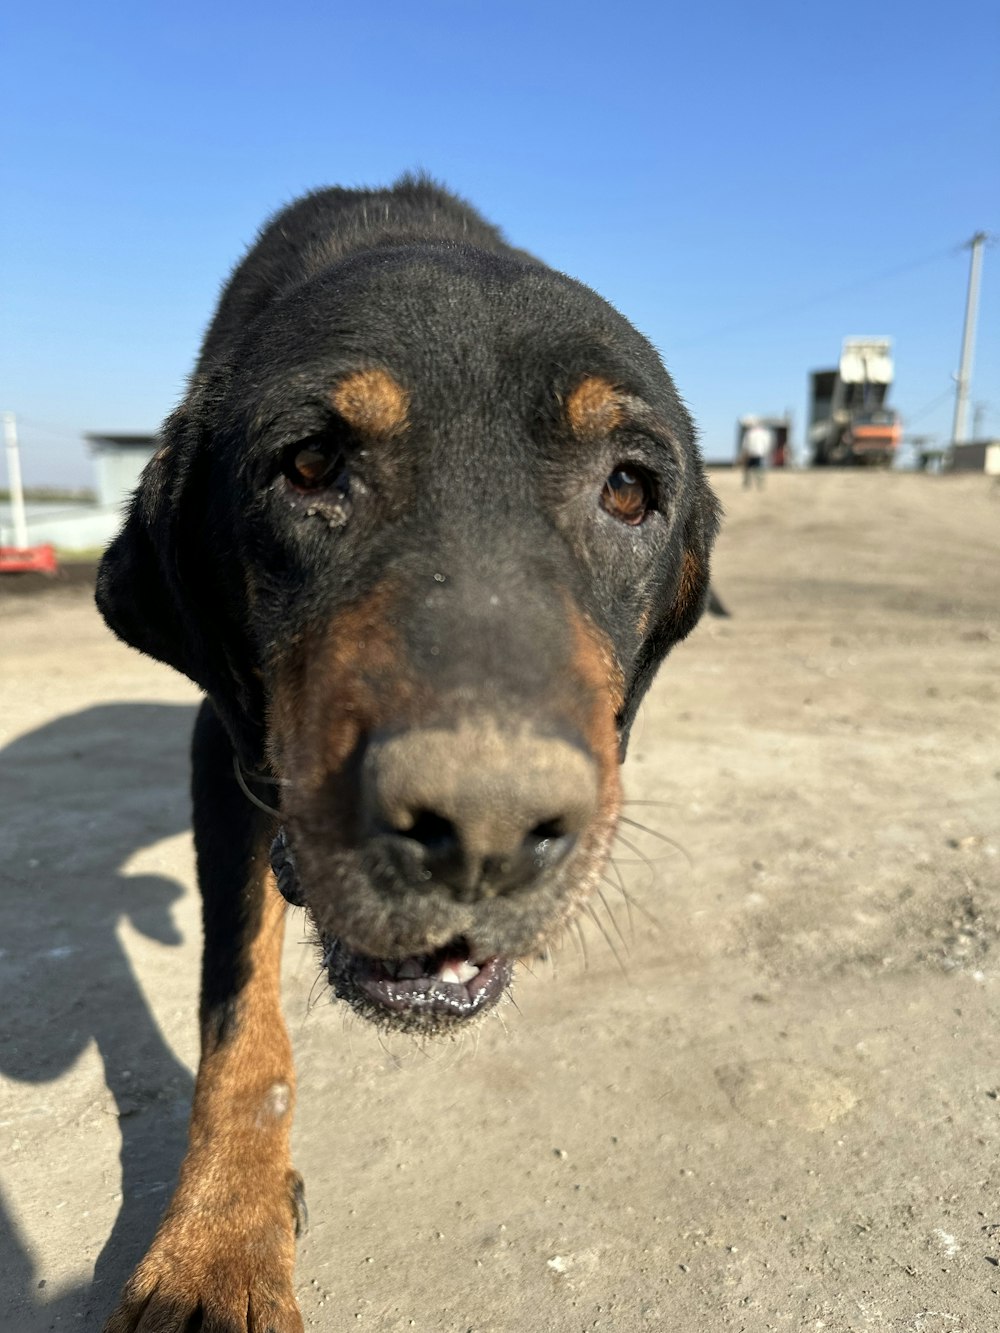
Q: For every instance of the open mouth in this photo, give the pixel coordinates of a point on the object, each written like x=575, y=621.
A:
x=423, y=991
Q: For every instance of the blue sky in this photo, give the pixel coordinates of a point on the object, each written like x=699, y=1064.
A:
x=747, y=183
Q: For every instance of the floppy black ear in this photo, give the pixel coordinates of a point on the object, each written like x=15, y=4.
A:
x=691, y=594
x=162, y=589
x=138, y=583
x=684, y=603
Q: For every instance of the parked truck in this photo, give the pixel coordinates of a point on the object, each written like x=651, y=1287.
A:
x=849, y=420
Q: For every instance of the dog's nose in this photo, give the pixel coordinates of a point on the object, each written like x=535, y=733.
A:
x=477, y=810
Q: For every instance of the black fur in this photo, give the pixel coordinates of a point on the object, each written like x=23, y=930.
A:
x=481, y=523
x=491, y=340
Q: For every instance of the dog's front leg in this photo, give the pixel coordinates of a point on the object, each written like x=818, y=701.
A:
x=224, y=1251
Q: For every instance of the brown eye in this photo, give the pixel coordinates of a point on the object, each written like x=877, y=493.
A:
x=313, y=464
x=627, y=495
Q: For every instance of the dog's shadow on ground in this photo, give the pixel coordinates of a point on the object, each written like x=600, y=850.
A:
x=79, y=797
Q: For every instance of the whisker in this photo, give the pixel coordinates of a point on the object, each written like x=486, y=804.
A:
x=607, y=938
x=625, y=895
x=650, y=861
x=311, y=1002
x=643, y=858
x=548, y=956
x=655, y=833
x=431, y=1056
x=632, y=901
x=347, y=1028
x=614, y=921
x=583, y=943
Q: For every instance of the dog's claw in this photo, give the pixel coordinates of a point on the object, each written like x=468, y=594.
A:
x=208, y=1273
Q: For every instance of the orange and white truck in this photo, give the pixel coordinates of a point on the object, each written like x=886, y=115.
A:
x=850, y=422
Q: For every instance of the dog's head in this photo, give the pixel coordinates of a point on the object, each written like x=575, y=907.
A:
x=424, y=537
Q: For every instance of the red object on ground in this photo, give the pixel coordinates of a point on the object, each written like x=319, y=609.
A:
x=28, y=559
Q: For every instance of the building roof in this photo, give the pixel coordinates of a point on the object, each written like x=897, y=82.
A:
x=103, y=440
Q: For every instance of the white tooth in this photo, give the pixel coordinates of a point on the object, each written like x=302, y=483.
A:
x=409, y=969
x=458, y=973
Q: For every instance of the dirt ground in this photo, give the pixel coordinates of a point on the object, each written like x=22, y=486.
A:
x=768, y=1099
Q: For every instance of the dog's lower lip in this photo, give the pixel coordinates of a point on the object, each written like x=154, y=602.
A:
x=445, y=983
x=437, y=992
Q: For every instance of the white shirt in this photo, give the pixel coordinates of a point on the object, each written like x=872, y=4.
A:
x=757, y=442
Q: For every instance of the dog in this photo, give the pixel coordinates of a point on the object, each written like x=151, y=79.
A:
x=427, y=521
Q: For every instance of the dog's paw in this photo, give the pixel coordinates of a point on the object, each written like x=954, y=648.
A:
x=216, y=1271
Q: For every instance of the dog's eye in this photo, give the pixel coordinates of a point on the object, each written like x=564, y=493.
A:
x=314, y=464
x=627, y=495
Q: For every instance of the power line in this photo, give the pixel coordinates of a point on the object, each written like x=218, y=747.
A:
x=911, y=417
x=50, y=429
x=797, y=307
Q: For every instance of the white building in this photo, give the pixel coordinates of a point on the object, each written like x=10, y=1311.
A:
x=87, y=525
x=118, y=462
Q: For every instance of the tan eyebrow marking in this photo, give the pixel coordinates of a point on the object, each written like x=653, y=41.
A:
x=372, y=402
x=594, y=407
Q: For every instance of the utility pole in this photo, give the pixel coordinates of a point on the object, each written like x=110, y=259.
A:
x=14, y=476
x=968, y=338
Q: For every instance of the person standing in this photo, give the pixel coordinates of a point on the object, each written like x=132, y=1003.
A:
x=756, y=448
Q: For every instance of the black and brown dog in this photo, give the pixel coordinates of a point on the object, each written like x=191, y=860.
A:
x=425, y=525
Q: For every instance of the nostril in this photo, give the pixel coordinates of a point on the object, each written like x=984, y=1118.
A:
x=545, y=847
x=548, y=829
x=432, y=831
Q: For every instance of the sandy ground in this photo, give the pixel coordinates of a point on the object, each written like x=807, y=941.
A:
x=772, y=1101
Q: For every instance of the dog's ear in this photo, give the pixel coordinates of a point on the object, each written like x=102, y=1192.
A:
x=691, y=595
x=161, y=589
x=139, y=586
x=685, y=602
